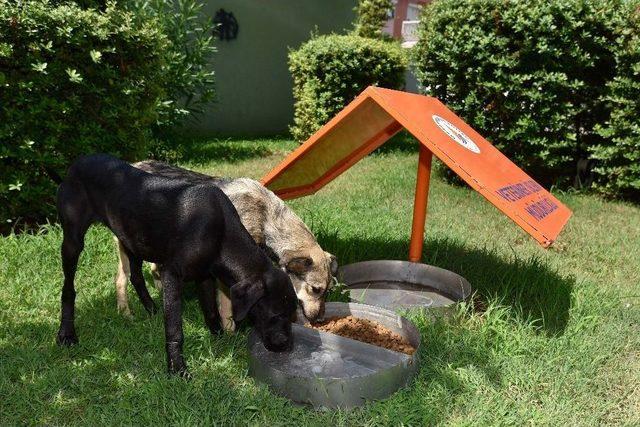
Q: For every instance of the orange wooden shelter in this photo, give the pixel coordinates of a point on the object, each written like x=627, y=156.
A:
x=375, y=116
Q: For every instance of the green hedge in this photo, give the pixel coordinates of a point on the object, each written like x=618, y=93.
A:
x=371, y=16
x=330, y=71
x=618, y=155
x=530, y=75
x=72, y=81
x=190, y=79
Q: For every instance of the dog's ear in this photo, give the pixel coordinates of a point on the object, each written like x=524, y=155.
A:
x=243, y=296
x=333, y=263
x=299, y=265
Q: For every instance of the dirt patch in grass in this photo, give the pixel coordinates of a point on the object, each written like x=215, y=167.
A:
x=366, y=331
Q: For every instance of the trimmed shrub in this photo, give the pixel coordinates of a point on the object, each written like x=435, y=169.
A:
x=617, y=171
x=330, y=71
x=190, y=83
x=530, y=75
x=371, y=15
x=72, y=81
x=190, y=79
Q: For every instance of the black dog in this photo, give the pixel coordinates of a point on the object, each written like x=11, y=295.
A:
x=192, y=231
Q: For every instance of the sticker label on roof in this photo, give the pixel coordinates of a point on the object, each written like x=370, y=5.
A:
x=456, y=134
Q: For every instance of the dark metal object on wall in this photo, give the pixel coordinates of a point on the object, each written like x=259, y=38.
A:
x=226, y=25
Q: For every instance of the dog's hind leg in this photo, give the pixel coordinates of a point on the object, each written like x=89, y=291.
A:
x=155, y=273
x=137, y=280
x=224, y=308
x=207, y=298
x=76, y=217
x=121, y=280
x=71, y=248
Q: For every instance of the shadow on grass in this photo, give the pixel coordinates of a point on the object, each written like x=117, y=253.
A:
x=233, y=150
x=116, y=375
x=117, y=369
x=119, y=364
x=536, y=293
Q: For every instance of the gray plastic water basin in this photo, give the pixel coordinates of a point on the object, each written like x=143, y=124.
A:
x=399, y=285
x=329, y=371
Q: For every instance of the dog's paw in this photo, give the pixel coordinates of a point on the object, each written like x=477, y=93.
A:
x=179, y=370
x=214, y=325
x=229, y=325
x=66, y=339
x=185, y=374
x=151, y=308
x=124, y=310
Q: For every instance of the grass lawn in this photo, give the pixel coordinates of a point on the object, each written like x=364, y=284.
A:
x=557, y=341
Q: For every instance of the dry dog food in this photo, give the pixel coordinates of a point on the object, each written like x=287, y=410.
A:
x=366, y=331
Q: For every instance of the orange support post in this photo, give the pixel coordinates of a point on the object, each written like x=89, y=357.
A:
x=420, y=204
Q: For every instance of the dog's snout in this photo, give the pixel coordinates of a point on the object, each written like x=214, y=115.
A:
x=312, y=310
x=280, y=342
x=279, y=339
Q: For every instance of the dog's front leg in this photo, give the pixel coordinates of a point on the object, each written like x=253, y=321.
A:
x=172, y=297
x=207, y=298
x=137, y=280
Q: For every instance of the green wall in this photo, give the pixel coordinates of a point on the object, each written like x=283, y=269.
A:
x=252, y=79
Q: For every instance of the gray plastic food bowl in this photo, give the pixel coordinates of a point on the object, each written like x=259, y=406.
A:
x=329, y=371
x=402, y=284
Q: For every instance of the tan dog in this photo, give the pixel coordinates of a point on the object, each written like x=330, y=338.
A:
x=275, y=227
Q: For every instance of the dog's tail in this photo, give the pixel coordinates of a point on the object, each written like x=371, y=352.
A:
x=52, y=174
